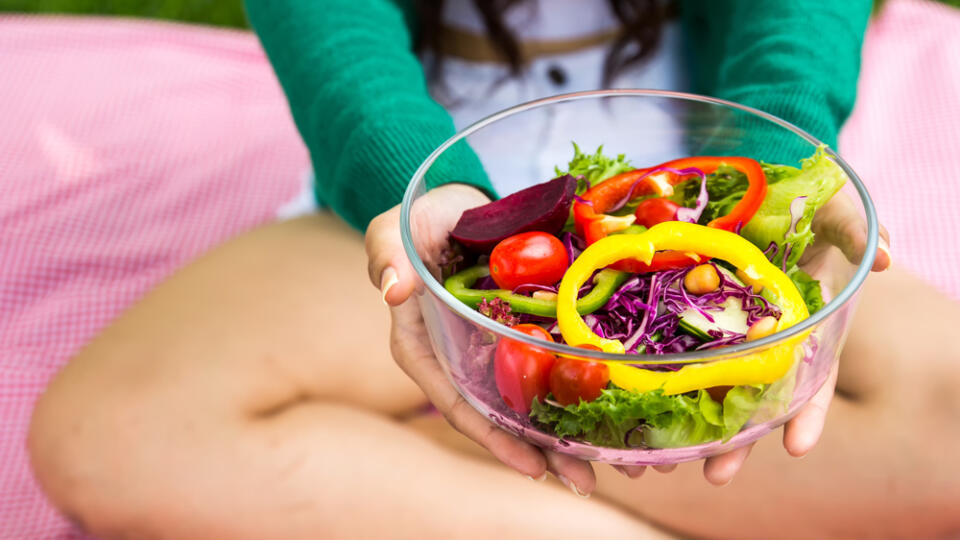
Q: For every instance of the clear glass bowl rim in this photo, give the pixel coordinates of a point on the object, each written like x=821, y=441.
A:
x=437, y=289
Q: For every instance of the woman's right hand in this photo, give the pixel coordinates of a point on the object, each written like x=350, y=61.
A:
x=435, y=214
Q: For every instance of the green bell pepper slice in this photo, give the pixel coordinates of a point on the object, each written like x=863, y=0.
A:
x=606, y=283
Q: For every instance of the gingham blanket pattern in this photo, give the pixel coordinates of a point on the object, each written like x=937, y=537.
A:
x=128, y=148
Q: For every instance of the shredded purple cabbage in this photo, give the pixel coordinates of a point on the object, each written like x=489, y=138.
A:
x=771, y=252
x=692, y=215
x=581, y=200
x=574, y=245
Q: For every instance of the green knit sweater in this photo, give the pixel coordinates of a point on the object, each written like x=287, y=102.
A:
x=359, y=96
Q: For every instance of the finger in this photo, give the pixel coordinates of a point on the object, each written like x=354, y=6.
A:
x=630, y=471
x=420, y=365
x=720, y=470
x=884, y=259
x=841, y=224
x=387, y=264
x=801, y=433
x=574, y=473
x=665, y=468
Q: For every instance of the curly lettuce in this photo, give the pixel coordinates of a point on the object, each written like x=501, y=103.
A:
x=591, y=169
x=620, y=418
x=809, y=288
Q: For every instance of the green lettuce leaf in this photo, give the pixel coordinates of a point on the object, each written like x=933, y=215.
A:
x=819, y=179
x=594, y=168
x=667, y=421
x=809, y=288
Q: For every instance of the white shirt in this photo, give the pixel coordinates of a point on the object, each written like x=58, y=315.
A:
x=527, y=150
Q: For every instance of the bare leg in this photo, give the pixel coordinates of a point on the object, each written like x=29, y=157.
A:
x=253, y=396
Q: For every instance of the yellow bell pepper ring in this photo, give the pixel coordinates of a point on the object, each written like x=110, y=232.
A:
x=758, y=368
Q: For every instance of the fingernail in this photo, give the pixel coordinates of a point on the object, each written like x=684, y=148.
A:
x=387, y=279
x=884, y=247
x=540, y=478
x=573, y=487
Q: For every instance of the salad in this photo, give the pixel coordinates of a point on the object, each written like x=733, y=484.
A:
x=693, y=254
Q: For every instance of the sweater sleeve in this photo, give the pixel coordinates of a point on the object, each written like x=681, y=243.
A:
x=359, y=98
x=796, y=59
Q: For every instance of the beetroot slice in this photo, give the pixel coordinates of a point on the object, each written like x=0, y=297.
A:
x=543, y=207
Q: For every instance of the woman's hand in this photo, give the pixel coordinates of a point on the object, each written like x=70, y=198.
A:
x=435, y=215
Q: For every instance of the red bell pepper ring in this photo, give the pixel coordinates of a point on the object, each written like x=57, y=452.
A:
x=593, y=223
x=744, y=210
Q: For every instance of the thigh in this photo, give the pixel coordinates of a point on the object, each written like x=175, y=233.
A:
x=280, y=314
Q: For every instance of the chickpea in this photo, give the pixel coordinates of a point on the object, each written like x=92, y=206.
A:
x=762, y=328
x=757, y=287
x=544, y=295
x=702, y=279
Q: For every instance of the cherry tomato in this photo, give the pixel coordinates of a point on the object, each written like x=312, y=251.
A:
x=656, y=210
x=522, y=371
x=573, y=379
x=530, y=257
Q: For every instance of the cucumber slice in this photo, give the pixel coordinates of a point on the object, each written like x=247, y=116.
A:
x=728, y=274
x=732, y=319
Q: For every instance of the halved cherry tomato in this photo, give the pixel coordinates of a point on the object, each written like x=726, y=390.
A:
x=656, y=210
x=575, y=379
x=530, y=257
x=521, y=371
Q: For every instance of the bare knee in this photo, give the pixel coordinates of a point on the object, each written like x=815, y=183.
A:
x=66, y=451
x=89, y=446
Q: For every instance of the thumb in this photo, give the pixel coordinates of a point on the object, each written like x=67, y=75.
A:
x=434, y=215
x=387, y=263
x=841, y=224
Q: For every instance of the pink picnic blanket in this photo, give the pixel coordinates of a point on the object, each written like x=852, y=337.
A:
x=128, y=148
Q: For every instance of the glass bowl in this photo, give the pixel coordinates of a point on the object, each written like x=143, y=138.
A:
x=520, y=146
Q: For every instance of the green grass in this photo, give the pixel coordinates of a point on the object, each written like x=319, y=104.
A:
x=215, y=12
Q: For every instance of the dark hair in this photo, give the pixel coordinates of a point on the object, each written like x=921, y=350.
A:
x=641, y=22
